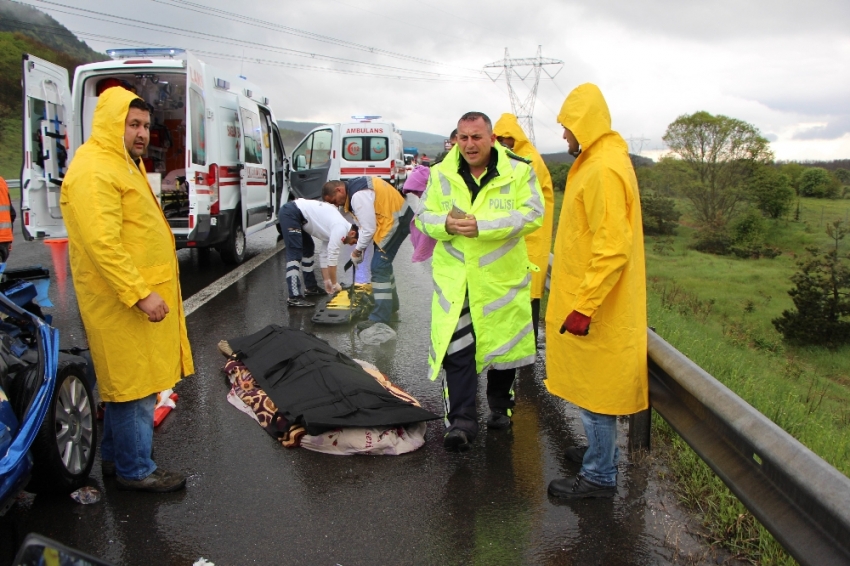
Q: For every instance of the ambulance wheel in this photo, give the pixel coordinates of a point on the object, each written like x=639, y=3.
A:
x=64, y=449
x=233, y=250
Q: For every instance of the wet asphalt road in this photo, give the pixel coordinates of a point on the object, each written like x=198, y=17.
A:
x=251, y=501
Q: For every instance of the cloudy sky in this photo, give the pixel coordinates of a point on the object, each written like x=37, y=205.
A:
x=783, y=66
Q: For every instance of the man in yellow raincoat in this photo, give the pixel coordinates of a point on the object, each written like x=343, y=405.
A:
x=596, y=317
x=539, y=243
x=127, y=285
x=480, y=203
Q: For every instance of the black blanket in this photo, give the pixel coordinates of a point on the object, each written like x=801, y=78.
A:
x=313, y=384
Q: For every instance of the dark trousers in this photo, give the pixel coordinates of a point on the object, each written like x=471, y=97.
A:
x=462, y=384
x=299, y=250
x=383, y=279
x=535, y=318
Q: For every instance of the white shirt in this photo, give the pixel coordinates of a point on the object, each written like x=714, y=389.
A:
x=325, y=224
x=363, y=207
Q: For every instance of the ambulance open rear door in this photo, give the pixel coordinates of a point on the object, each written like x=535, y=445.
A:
x=47, y=112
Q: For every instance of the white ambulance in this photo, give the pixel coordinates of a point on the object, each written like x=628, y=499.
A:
x=215, y=161
x=366, y=147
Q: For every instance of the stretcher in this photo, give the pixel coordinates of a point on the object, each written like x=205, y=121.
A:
x=350, y=305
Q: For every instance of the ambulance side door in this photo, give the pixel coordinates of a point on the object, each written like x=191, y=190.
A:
x=255, y=163
x=46, y=114
x=311, y=163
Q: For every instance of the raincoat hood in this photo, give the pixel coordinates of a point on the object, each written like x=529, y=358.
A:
x=585, y=113
x=417, y=180
x=508, y=127
x=110, y=114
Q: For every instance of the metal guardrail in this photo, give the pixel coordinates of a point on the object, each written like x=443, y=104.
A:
x=13, y=183
x=802, y=500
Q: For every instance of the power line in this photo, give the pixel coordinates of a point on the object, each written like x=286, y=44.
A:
x=239, y=42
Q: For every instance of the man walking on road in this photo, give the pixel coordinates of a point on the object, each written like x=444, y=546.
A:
x=7, y=218
x=509, y=134
x=302, y=220
x=480, y=202
x=126, y=278
x=596, y=317
x=383, y=217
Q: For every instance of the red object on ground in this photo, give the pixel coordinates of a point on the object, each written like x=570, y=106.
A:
x=59, y=255
x=162, y=411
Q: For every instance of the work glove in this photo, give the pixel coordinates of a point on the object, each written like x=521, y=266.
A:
x=576, y=323
x=357, y=257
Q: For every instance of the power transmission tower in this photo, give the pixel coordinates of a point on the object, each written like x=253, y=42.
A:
x=633, y=141
x=522, y=68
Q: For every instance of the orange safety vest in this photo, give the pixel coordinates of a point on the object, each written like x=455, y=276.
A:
x=5, y=213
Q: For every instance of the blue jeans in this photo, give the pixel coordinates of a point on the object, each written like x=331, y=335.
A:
x=383, y=280
x=600, y=460
x=128, y=437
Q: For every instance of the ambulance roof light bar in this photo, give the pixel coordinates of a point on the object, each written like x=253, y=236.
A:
x=127, y=53
x=365, y=118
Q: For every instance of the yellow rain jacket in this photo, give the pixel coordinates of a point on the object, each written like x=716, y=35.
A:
x=539, y=242
x=598, y=270
x=492, y=268
x=121, y=249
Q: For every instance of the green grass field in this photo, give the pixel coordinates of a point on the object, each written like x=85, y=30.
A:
x=10, y=148
x=717, y=310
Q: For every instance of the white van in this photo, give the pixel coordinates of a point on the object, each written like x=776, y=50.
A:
x=215, y=161
x=343, y=151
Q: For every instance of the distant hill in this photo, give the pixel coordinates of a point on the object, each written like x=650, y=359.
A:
x=37, y=25
x=564, y=157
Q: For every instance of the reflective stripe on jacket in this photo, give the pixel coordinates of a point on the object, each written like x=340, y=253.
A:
x=6, y=213
x=493, y=268
x=539, y=242
x=599, y=270
x=389, y=205
x=121, y=250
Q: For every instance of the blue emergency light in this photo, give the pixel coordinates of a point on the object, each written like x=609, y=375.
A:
x=365, y=118
x=145, y=52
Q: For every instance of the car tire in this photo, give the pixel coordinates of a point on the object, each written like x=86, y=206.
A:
x=64, y=449
x=232, y=251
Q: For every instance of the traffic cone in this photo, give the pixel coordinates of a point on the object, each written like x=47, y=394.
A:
x=59, y=255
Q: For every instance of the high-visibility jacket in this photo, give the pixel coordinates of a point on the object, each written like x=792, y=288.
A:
x=492, y=268
x=6, y=213
x=598, y=270
x=539, y=242
x=389, y=205
x=121, y=250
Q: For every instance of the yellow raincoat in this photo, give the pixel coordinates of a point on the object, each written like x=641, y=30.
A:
x=598, y=270
x=539, y=242
x=121, y=249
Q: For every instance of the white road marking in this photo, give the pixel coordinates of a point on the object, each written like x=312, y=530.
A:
x=209, y=292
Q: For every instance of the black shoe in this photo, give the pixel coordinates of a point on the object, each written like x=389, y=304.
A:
x=456, y=441
x=579, y=488
x=364, y=324
x=315, y=292
x=159, y=481
x=498, y=421
x=299, y=302
x=575, y=453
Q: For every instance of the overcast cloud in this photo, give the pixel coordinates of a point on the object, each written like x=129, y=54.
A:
x=783, y=66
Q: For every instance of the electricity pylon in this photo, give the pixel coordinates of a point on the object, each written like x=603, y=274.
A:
x=509, y=68
x=633, y=141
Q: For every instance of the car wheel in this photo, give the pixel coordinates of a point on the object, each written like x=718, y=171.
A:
x=64, y=449
x=233, y=250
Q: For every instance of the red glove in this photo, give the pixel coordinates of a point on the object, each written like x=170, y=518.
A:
x=576, y=323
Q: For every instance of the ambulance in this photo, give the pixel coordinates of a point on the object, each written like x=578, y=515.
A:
x=367, y=146
x=216, y=162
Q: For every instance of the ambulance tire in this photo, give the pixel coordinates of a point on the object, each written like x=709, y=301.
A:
x=232, y=251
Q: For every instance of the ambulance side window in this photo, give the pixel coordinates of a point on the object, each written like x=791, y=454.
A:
x=314, y=152
x=252, y=136
x=199, y=138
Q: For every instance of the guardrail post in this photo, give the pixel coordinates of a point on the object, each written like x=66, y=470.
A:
x=640, y=427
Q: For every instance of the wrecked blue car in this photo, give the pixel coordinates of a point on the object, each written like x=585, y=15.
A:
x=48, y=434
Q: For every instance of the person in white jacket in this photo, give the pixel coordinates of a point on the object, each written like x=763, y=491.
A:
x=302, y=221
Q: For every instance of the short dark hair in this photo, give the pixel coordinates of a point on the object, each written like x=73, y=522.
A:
x=356, y=230
x=330, y=187
x=473, y=116
x=140, y=104
x=453, y=135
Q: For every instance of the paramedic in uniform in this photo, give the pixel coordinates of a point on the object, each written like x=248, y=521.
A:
x=480, y=202
x=383, y=217
x=509, y=134
x=596, y=316
x=7, y=218
x=125, y=274
x=302, y=221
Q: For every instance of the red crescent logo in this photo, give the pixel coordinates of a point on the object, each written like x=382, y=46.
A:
x=353, y=148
